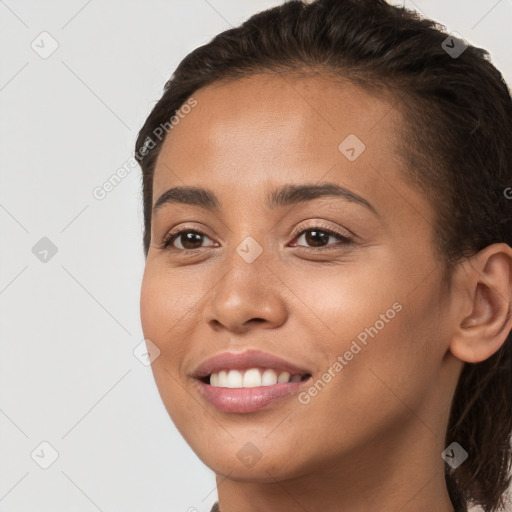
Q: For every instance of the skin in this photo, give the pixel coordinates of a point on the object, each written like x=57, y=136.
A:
x=372, y=438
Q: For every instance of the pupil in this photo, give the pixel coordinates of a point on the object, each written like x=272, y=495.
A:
x=191, y=238
x=311, y=240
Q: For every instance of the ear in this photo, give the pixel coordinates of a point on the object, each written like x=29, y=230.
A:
x=484, y=290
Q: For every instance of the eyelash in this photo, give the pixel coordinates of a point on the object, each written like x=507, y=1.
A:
x=169, y=239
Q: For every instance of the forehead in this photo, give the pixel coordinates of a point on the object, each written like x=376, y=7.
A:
x=281, y=128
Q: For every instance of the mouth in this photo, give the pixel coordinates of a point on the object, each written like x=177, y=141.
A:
x=248, y=382
x=256, y=389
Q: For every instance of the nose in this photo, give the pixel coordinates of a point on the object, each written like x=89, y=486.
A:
x=248, y=295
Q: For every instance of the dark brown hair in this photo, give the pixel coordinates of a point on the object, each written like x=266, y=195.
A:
x=456, y=142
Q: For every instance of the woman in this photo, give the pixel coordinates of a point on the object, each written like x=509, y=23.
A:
x=327, y=201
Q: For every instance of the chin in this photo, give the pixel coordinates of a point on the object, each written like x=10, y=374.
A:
x=247, y=465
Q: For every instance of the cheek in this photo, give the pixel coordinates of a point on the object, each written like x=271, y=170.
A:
x=341, y=302
x=171, y=305
x=367, y=315
x=165, y=302
x=164, y=313
x=153, y=305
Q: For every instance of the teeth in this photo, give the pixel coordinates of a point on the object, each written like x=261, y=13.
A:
x=269, y=378
x=234, y=379
x=283, y=377
x=251, y=378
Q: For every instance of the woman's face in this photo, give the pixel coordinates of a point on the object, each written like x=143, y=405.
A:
x=362, y=321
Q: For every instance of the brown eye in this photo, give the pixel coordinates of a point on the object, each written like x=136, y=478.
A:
x=319, y=237
x=188, y=238
x=316, y=238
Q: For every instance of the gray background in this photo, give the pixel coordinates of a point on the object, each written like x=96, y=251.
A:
x=69, y=324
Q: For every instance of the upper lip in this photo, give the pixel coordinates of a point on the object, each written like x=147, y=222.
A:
x=244, y=361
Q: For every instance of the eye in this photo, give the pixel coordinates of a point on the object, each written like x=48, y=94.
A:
x=319, y=236
x=190, y=239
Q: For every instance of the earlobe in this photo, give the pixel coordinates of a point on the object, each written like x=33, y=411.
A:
x=485, y=291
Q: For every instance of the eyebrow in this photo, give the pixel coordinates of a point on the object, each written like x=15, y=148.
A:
x=284, y=196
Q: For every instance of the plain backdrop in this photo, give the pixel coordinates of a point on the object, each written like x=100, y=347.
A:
x=77, y=80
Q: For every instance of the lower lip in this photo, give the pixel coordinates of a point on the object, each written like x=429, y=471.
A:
x=246, y=400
